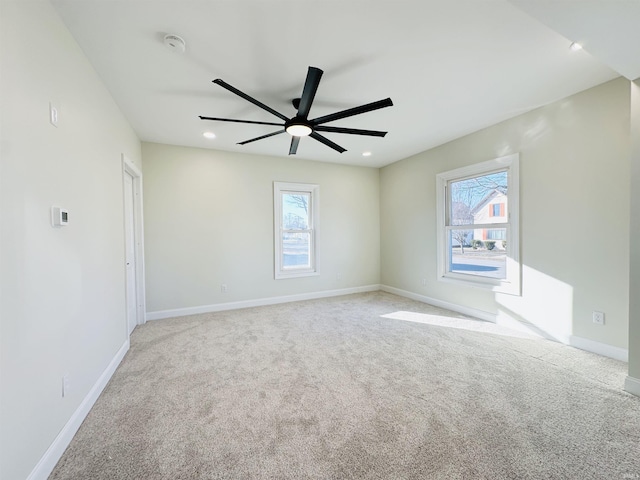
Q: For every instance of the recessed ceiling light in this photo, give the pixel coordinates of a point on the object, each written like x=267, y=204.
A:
x=366, y=154
x=575, y=46
x=209, y=135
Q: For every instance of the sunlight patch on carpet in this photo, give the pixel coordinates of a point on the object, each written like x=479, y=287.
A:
x=458, y=323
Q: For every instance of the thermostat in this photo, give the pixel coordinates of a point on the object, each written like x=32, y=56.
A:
x=59, y=216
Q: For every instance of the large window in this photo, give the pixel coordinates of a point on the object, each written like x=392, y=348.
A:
x=296, y=229
x=478, y=225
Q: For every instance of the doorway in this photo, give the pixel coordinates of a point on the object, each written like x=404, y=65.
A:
x=134, y=258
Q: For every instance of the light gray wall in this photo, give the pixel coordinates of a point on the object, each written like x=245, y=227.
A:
x=209, y=221
x=634, y=286
x=62, y=306
x=574, y=216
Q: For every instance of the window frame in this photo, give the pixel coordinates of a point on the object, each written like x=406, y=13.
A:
x=313, y=190
x=512, y=283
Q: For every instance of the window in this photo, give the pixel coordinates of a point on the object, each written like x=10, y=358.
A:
x=497, y=210
x=295, y=229
x=477, y=227
x=495, y=234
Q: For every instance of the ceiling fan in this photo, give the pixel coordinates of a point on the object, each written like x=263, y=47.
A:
x=301, y=125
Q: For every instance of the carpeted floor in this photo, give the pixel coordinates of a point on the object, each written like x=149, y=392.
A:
x=367, y=386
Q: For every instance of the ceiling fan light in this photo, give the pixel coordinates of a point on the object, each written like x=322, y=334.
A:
x=299, y=130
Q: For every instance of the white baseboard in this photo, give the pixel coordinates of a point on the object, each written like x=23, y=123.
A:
x=577, y=342
x=53, y=454
x=603, y=349
x=472, y=312
x=220, y=307
x=632, y=385
x=521, y=325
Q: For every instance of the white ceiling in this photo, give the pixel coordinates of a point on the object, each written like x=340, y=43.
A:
x=451, y=67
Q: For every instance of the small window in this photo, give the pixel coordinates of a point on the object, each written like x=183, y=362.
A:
x=478, y=240
x=296, y=226
x=495, y=234
x=497, y=210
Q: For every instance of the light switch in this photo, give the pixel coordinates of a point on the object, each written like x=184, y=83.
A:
x=53, y=114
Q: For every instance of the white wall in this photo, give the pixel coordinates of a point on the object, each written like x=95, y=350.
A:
x=574, y=188
x=209, y=221
x=62, y=289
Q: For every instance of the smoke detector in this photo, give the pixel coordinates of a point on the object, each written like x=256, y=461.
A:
x=174, y=43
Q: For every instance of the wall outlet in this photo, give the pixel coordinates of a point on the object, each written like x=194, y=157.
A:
x=339, y=276
x=66, y=385
x=223, y=288
x=598, y=318
x=423, y=282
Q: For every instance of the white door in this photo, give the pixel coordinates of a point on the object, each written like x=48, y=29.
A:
x=130, y=253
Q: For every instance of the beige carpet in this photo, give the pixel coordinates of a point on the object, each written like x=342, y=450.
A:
x=370, y=386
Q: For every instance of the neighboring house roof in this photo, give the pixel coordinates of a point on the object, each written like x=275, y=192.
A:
x=482, y=203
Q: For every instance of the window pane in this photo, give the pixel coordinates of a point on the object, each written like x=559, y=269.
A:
x=295, y=211
x=480, y=199
x=296, y=250
x=483, y=252
x=461, y=238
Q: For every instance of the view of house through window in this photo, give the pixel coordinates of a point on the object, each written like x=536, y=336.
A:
x=478, y=225
x=476, y=246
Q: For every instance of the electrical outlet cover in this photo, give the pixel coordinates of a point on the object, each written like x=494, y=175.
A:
x=598, y=318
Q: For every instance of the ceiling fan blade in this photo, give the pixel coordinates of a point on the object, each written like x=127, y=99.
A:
x=353, y=111
x=309, y=91
x=232, y=89
x=261, y=137
x=353, y=131
x=239, y=121
x=294, y=145
x=327, y=142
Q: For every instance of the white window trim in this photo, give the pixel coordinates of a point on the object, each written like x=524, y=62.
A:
x=314, y=194
x=512, y=283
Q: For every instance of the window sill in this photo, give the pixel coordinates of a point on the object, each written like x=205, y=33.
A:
x=285, y=275
x=494, y=285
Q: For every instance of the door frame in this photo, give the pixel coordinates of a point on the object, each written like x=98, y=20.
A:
x=129, y=168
